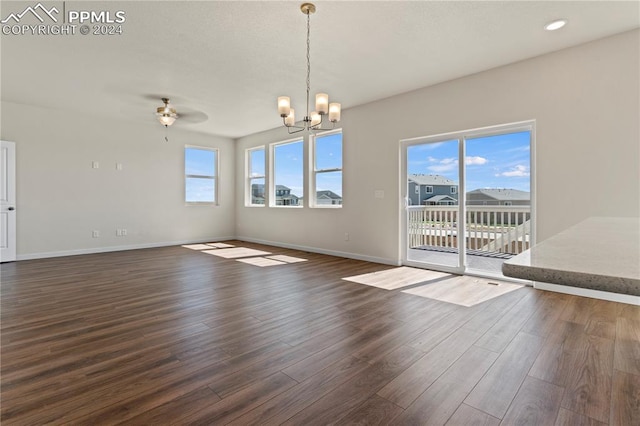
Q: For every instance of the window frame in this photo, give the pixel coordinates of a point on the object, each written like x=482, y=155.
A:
x=214, y=177
x=249, y=178
x=272, y=173
x=313, y=172
x=428, y=189
x=453, y=189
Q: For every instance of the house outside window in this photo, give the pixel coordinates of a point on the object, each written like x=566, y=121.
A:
x=454, y=189
x=254, y=192
x=428, y=189
x=201, y=175
x=326, y=169
x=287, y=170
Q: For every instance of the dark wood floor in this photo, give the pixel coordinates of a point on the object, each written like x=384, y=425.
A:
x=174, y=336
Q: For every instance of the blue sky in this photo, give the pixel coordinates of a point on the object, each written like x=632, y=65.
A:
x=201, y=162
x=289, y=162
x=501, y=161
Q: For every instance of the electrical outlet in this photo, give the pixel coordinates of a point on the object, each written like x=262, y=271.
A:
x=95, y=234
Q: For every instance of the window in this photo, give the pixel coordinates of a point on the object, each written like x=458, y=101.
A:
x=326, y=170
x=418, y=189
x=453, y=189
x=255, y=194
x=201, y=172
x=428, y=189
x=508, y=203
x=288, y=173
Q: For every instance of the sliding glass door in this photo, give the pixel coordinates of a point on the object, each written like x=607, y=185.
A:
x=433, y=184
x=468, y=199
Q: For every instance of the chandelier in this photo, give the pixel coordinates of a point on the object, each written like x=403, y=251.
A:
x=312, y=121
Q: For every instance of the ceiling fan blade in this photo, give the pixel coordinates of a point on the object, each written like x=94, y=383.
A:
x=192, y=116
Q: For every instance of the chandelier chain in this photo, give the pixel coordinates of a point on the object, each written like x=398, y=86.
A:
x=308, y=59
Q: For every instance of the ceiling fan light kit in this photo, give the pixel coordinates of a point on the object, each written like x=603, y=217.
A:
x=166, y=114
x=312, y=121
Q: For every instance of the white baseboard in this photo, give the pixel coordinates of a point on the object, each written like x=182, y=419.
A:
x=585, y=292
x=94, y=250
x=347, y=255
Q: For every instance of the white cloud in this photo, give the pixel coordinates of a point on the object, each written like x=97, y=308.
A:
x=517, y=171
x=443, y=168
x=443, y=165
x=475, y=161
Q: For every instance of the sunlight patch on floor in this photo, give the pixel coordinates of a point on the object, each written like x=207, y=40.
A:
x=197, y=246
x=220, y=245
x=395, y=278
x=261, y=261
x=233, y=253
x=287, y=259
x=464, y=290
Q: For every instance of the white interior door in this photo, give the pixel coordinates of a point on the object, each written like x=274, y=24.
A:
x=8, y=202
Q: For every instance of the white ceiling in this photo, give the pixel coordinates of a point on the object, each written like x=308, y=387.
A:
x=226, y=62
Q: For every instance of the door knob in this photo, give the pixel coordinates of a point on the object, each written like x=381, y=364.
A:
x=11, y=209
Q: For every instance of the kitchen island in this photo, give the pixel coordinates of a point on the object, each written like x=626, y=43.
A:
x=601, y=254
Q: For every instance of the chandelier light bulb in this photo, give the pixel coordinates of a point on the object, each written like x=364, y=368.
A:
x=290, y=119
x=322, y=103
x=334, y=112
x=284, y=106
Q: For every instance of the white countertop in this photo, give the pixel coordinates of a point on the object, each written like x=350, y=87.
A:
x=600, y=253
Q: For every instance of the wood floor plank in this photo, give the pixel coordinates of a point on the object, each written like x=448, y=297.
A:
x=570, y=418
x=546, y=318
x=348, y=396
x=375, y=411
x=175, y=408
x=289, y=403
x=504, y=330
x=172, y=335
x=536, y=403
x=436, y=405
x=627, y=345
x=239, y=403
x=405, y=388
x=469, y=416
x=498, y=387
x=588, y=390
x=625, y=399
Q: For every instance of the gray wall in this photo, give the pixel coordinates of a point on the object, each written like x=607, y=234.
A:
x=61, y=199
x=585, y=101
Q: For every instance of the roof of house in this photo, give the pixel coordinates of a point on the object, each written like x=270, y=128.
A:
x=431, y=180
x=261, y=186
x=438, y=198
x=328, y=194
x=502, y=194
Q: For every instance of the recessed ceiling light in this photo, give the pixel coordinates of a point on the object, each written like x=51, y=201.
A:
x=555, y=25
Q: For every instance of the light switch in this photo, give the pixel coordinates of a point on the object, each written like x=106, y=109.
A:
x=95, y=165
x=118, y=166
x=378, y=193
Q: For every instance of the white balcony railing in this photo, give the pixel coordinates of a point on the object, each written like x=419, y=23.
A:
x=490, y=229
